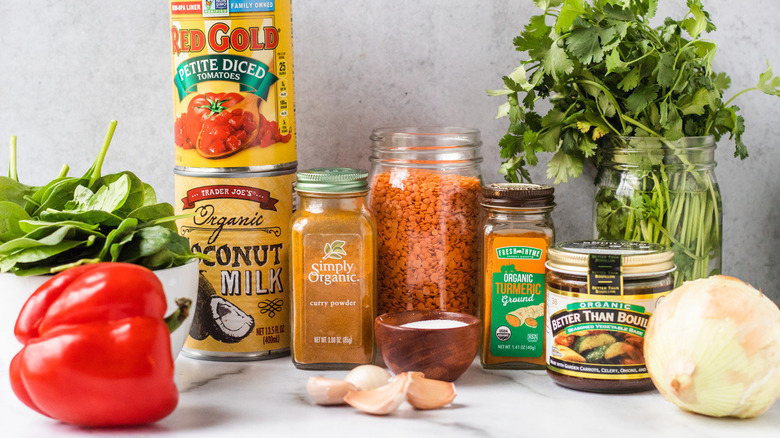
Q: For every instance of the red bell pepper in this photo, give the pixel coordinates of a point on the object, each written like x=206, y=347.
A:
x=97, y=351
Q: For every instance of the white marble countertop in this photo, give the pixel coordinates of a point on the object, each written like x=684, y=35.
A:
x=268, y=399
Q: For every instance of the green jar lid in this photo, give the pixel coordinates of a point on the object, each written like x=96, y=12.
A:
x=332, y=180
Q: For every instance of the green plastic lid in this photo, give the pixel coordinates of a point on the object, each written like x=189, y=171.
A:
x=332, y=180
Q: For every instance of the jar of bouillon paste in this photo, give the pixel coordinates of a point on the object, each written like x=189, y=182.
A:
x=600, y=296
x=333, y=270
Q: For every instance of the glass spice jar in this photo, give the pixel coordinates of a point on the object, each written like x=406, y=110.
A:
x=600, y=296
x=333, y=270
x=425, y=185
x=517, y=232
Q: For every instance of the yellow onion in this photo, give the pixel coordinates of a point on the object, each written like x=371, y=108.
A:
x=713, y=347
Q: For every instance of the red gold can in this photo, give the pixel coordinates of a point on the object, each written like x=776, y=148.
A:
x=233, y=94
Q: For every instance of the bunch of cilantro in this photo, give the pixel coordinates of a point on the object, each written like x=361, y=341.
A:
x=611, y=76
x=78, y=220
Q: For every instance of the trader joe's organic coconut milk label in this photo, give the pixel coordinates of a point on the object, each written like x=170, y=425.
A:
x=242, y=224
x=232, y=84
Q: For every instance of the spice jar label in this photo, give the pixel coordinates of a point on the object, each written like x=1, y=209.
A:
x=335, y=285
x=598, y=339
x=517, y=286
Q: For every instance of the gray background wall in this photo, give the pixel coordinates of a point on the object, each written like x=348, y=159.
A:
x=67, y=68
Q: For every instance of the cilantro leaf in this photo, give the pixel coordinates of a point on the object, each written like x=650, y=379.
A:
x=641, y=98
x=556, y=62
x=563, y=166
x=570, y=10
x=768, y=83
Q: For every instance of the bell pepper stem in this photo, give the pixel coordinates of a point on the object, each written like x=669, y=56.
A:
x=174, y=320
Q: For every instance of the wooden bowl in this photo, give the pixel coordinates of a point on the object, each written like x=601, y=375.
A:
x=439, y=353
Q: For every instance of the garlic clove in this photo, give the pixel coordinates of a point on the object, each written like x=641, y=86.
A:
x=429, y=393
x=382, y=400
x=367, y=377
x=326, y=391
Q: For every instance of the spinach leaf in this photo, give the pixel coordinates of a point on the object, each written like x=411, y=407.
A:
x=10, y=215
x=77, y=220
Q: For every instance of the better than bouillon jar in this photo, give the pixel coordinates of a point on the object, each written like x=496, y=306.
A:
x=333, y=270
x=600, y=296
x=518, y=230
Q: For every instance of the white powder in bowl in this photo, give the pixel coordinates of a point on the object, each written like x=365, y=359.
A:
x=435, y=324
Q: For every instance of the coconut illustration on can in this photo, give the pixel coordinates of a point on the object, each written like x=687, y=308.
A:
x=219, y=318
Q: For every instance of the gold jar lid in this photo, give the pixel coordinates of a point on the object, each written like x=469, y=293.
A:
x=637, y=258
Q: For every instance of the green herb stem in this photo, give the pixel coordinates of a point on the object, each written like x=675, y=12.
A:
x=739, y=94
x=98, y=165
x=63, y=171
x=12, y=172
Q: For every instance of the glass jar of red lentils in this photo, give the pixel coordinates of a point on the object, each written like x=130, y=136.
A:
x=425, y=188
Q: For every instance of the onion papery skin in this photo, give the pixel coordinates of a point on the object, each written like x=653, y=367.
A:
x=713, y=347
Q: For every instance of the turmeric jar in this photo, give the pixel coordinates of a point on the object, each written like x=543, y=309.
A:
x=333, y=270
x=517, y=232
x=425, y=186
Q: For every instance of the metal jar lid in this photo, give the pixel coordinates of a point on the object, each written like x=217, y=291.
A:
x=637, y=258
x=332, y=180
x=517, y=195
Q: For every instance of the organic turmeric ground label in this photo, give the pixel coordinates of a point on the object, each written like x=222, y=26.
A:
x=517, y=291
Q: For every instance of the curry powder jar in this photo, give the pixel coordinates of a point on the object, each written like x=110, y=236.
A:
x=333, y=270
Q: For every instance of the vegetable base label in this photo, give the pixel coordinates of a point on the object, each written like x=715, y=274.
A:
x=242, y=224
x=232, y=84
x=598, y=337
x=516, y=292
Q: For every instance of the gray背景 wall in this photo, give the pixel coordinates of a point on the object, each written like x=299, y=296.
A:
x=69, y=67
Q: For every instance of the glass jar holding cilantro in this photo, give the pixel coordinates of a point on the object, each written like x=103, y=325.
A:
x=659, y=191
x=638, y=98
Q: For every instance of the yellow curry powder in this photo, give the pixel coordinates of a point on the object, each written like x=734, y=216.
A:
x=333, y=271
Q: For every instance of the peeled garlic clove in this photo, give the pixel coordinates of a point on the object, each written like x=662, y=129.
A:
x=326, y=391
x=367, y=377
x=429, y=393
x=382, y=400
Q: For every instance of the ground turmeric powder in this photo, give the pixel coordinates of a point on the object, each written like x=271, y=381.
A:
x=517, y=232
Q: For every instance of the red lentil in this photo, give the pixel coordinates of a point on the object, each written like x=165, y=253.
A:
x=427, y=226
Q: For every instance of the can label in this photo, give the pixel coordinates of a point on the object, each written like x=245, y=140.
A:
x=599, y=336
x=233, y=92
x=242, y=224
x=516, y=296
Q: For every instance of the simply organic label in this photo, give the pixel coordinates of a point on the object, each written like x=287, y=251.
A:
x=517, y=292
x=333, y=288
